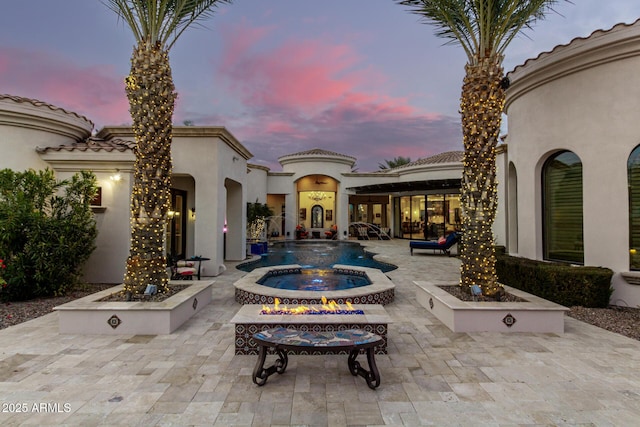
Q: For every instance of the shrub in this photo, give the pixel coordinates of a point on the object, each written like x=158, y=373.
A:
x=256, y=224
x=47, y=231
x=3, y=283
x=561, y=283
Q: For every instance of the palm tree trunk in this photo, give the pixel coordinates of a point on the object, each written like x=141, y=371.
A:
x=151, y=95
x=481, y=109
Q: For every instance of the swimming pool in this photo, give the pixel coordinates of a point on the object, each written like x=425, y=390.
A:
x=318, y=255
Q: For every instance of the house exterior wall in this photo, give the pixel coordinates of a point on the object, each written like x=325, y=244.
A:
x=107, y=262
x=217, y=163
x=583, y=97
x=26, y=124
x=297, y=167
x=257, y=184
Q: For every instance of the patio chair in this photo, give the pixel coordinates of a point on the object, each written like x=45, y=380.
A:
x=443, y=246
x=332, y=234
x=183, y=270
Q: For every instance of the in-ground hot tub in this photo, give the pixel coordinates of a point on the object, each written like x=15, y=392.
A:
x=315, y=279
x=380, y=290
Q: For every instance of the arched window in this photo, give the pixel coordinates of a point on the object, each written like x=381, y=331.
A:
x=317, y=217
x=512, y=200
x=633, y=173
x=562, y=208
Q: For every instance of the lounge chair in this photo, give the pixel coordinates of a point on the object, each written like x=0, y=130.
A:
x=444, y=247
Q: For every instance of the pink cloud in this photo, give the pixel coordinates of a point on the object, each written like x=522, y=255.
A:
x=299, y=74
x=291, y=95
x=95, y=92
x=305, y=79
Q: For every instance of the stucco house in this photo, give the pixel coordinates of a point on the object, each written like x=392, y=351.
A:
x=569, y=174
x=209, y=174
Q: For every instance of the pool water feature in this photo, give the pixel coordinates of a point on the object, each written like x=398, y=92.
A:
x=314, y=279
x=316, y=255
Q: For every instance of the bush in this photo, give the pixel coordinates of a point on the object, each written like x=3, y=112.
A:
x=561, y=283
x=47, y=232
x=256, y=214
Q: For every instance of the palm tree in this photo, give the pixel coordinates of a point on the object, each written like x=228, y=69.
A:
x=484, y=29
x=394, y=163
x=156, y=25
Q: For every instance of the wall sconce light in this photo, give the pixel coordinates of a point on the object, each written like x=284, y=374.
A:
x=193, y=212
x=235, y=159
x=116, y=177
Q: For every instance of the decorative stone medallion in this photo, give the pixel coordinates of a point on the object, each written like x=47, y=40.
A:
x=114, y=321
x=509, y=320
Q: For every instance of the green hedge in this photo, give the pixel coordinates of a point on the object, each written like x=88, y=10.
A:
x=561, y=283
x=47, y=232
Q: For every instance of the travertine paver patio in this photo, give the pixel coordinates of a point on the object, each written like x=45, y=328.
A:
x=431, y=376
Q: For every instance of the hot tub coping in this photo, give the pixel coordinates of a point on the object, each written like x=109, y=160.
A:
x=248, y=291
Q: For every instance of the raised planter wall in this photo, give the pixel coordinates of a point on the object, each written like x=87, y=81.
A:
x=535, y=315
x=89, y=315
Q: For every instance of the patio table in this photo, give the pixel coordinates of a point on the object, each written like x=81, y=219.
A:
x=283, y=339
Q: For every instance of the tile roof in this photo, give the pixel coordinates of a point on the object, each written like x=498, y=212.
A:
x=38, y=103
x=92, y=144
x=576, y=40
x=446, y=157
x=317, y=152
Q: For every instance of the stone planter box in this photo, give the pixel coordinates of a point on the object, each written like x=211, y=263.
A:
x=89, y=315
x=535, y=315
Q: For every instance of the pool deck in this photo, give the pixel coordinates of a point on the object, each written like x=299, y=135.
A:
x=431, y=376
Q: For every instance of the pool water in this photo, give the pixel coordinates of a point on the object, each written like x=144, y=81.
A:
x=315, y=280
x=318, y=255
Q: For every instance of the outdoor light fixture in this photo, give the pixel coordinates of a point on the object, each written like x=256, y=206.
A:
x=116, y=177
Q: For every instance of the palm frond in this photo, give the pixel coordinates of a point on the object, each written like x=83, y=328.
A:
x=482, y=27
x=162, y=21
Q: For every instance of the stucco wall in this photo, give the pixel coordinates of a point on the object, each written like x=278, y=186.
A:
x=26, y=124
x=583, y=97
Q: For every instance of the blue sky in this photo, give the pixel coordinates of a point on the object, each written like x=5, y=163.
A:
x=361, y=77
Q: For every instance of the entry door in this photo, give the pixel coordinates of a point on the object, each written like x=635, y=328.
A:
x=317, y=217
x=176, y=230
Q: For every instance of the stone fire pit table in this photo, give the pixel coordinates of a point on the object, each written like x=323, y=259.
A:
x=249, y=321
x=283, y=339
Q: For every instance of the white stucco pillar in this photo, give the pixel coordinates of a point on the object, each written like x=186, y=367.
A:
x=342, y=217
x=235, y=212
x=291, y=215
x=208, y=221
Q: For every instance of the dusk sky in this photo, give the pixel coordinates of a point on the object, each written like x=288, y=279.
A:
x=360, y=77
